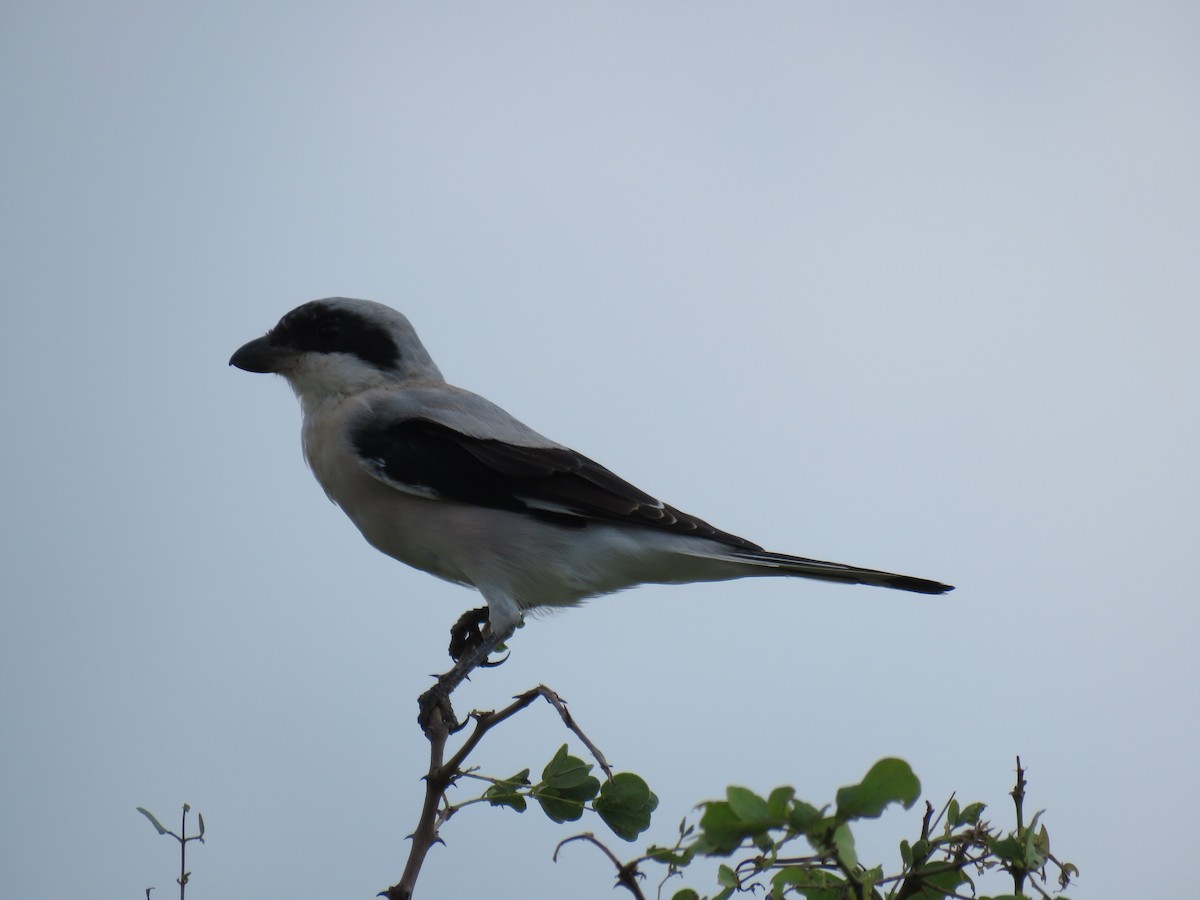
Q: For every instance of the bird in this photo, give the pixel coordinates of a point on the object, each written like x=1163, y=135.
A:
x=447, y=482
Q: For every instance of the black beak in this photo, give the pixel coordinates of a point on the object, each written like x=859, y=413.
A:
x=260, y=355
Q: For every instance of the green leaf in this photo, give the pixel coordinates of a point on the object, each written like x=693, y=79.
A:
x=625, y=804
x=669, y=856
x=748, y=806
x=685, y=894
x=843, y=844
x=721, y=831
x=566, y=772
x=779, y=801
x=556, y=806
x=498, y=796
x=153, y=821
x=1035, y=853
x=583, y=792
x=970, y=814
x=936, y=881
x=726, y=876
x=508, y=792
x=629, y=790
x=803, y=816
x=814, y=884
x=200, y=816
x=565, y=787
x=888, y=781
x=952, y=812
x=871, y=877
x=820, y=835
x=906, y=855
x=1009, y=849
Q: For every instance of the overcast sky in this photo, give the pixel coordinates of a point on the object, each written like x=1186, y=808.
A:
x=911, y=286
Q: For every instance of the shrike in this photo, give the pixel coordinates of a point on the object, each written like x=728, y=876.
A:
x=449, y=483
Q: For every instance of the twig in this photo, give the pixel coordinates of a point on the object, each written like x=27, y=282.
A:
x=559, y=704
x=1020, y=873
x=1018, y=795
x=183, y=873
x=938, y=821
x=627, y=873
x=926, y=822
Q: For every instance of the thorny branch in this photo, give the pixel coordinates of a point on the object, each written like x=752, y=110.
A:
x=443, y=773
x=1018, y=795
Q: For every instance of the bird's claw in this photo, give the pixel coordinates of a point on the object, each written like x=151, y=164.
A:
x=467, y=633
x=469, y=646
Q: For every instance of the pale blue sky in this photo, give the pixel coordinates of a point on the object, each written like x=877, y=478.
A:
x=907, y=286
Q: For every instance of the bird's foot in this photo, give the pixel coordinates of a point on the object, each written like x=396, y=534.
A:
x=473, y=651
x=467, y=635
x=436, y=700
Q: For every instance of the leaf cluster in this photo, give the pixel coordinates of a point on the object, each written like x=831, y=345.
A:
x=567, y=788
x=771, y=824
x=936, y=865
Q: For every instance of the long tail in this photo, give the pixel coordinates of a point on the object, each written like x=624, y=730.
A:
x=829, y=571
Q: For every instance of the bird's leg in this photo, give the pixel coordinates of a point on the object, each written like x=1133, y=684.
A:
x=437, y=698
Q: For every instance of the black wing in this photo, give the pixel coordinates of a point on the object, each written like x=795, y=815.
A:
x=550, y=483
